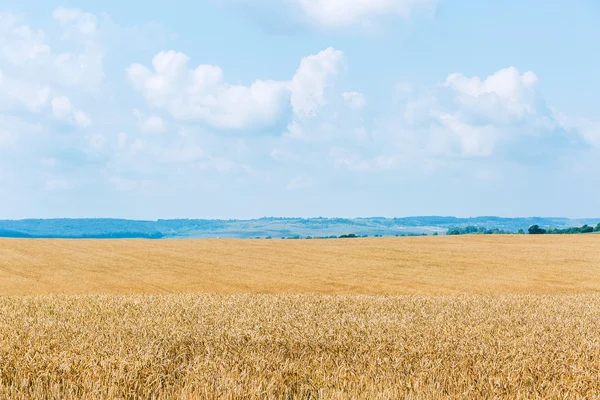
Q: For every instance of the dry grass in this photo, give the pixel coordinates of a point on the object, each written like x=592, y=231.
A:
x=393, y=266
x=503, y=317
x=300, y=346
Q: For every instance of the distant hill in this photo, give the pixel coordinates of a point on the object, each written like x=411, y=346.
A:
x=266, y=227
x=79, y=228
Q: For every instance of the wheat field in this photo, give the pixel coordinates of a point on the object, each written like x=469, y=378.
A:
x=418, y=318
x=492, y=264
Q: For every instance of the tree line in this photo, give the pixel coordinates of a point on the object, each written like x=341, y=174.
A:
x=536, y=230
x=475, y=230
x=533, y=230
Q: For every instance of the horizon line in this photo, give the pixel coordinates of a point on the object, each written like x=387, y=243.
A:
x=284, y=218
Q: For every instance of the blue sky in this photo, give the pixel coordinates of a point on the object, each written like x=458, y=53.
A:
x=241, y=109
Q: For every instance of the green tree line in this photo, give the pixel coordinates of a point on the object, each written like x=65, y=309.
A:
x=475, y=230
x=533, y=230
x=536, y=230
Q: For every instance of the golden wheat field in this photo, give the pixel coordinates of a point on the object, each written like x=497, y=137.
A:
x=478, y=264
x=416, y=318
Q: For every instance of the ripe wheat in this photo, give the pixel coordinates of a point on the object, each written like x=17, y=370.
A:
x=416, y=318
x=494, y=264
x=300, y=347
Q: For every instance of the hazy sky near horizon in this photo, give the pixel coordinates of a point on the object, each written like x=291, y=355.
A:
x=250, y=108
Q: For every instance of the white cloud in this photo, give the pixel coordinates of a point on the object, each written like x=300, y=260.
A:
x=461, y=119
x=63, y=110
x=82, y=70
x=513, y=91
x=312, y=89
x=507, y=83
x=79, y=68
x=355, y=100
x=20, y=44
x=590, y=129
x=201, y=94
x=344, y=13
x=311, y=79
x=473, y=116
x=80, y=65
x=455, y=137
x=32, y=75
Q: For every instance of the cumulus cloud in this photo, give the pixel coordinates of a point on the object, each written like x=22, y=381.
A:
x=202, y=94
x=589, y=128
x=460, y=119
x=83, y=68
x=289, y=16
x=36, y=97
x=312, y=90
x=344, y=13
x=474, y=116
x=311, y=79
x=453, y=136
x=510, y=91
x=33, y=67
x=507, y=83
x=21, y=44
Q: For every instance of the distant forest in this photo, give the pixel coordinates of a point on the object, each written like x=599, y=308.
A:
x=536, y=230
x=532, y=230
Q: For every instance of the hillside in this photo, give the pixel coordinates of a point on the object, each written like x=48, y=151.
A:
x=266, y=227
